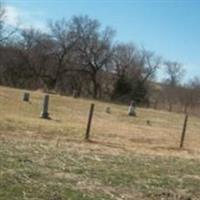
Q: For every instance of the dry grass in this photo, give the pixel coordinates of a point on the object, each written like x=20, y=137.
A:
x=126, y=158
x=117, y=130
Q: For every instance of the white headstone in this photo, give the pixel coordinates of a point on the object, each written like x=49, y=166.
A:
x=131, y=109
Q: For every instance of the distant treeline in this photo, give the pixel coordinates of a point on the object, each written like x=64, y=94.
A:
x=79, y=57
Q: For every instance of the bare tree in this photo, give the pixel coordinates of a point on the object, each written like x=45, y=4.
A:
x=2, y=18
x=194, y=86
x=189, y=95
x=150, y=63
x=5, y=31
x=174, y=72
x=47, y=56
x=62, y=52
x=94, y=48
x=134, y=68
x=126, y=58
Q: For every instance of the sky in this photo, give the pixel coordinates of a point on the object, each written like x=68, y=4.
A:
x=170, y=28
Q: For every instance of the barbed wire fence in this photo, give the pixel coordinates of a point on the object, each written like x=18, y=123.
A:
x=107, y=124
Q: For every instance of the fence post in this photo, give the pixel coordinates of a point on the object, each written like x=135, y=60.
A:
x=184, y=131
x=44, y=113
x=87, y=134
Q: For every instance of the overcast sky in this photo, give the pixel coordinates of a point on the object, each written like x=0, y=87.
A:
x=169, y=28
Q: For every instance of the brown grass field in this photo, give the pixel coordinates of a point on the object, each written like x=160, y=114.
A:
x=125, y=159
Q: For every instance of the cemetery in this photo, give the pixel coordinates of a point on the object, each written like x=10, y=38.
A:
x=55, y=147
x=99, y=100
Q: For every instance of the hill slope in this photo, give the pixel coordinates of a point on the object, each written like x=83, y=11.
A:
x=127, y=157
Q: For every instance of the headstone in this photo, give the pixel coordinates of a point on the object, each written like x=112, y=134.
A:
x=26, y=96
x=45, y=106
x=131, y=109
x=155, y=104
x=108, y=110
x=75, y=93
x=148, y=122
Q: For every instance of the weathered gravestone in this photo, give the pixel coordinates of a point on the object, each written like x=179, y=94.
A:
x=131, y=109
x=26, y=96
x=108, y=110
x=75, y=94
x=45, y=106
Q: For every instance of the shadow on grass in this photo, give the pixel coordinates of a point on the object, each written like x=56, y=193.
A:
x=107, y=144
x=177, y=149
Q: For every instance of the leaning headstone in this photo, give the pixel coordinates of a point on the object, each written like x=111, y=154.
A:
x=108, y=110
x=26, y=96
x=131, y=109
x=45, y=106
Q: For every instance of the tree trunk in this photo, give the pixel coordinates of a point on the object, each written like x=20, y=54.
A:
x=95, y=87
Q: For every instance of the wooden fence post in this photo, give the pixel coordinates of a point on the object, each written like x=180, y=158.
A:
x=87, y=134
x=184, y=131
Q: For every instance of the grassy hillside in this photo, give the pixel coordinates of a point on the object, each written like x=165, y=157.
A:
x=126, y=158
